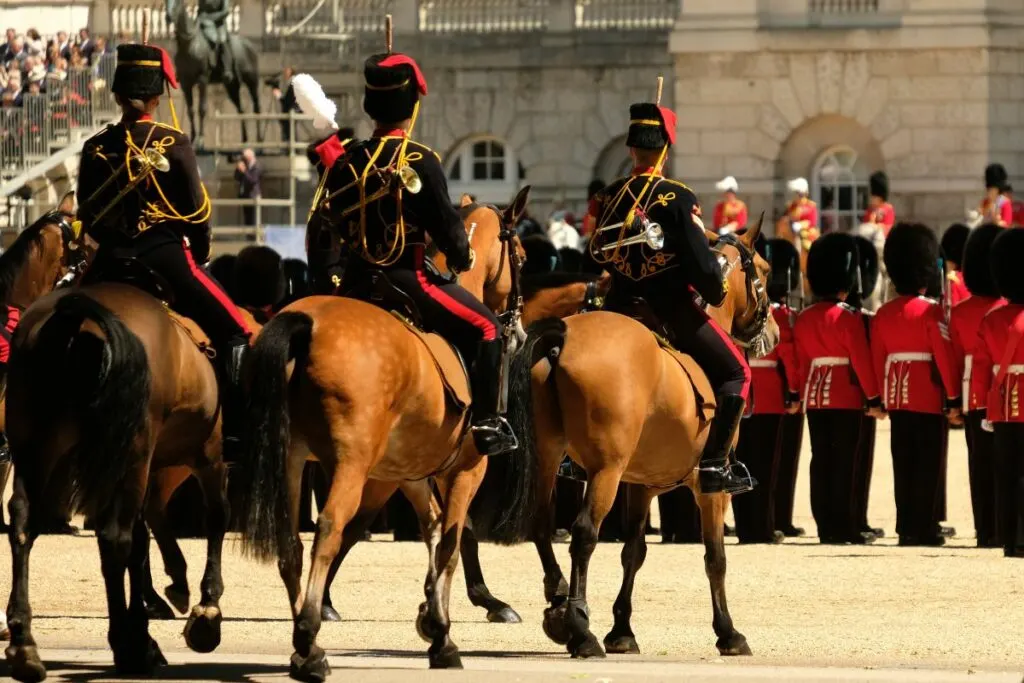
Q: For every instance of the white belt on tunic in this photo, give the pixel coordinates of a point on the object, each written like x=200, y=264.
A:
x=761, y=363
x=1016, y=369
x=906, y=357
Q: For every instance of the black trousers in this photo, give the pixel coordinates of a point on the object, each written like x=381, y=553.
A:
x=792, y=440
x=758, y=448
x=862, y=475
x=835, y=446
x=1009, y=441
x=680, y=517
x=917, y=442
x=985, y=489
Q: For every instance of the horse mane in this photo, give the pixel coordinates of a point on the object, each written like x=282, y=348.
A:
x=533, y=284
x=14, y=258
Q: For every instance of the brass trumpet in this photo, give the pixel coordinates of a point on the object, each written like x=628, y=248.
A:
x=149, y=161
x=408, y=178
x=653, y=236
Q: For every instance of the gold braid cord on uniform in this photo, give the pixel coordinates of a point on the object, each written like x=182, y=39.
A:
x=162, y=210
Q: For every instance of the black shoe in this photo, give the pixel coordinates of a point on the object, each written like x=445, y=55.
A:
x=726, y=478
x=947, y=531
x=861, y=538
x=776, y=538
x=793, y=532
x=877, y=533
x=714, y=472
x=729, y=530
x=922, y=541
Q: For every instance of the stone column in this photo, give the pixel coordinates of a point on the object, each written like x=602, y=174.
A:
x=99, y=18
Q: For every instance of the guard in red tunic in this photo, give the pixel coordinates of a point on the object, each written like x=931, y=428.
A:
x=996, y=207
x=730, y=213
x=1017, y=207
x=998, y=376
x=914, y=356
x=964, y=323
x=880, y=212
x=803, y=213
x=953, y=241
x=838, y=384
x=775, y=390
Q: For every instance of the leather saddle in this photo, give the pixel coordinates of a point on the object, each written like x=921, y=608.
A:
x=131, y=271
x=640, y=310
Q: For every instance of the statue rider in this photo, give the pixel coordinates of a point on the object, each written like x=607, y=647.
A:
x=212, y=18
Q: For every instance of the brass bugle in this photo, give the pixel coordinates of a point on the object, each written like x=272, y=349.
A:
x=409, y=178
x=653, y=236
x=150, y=160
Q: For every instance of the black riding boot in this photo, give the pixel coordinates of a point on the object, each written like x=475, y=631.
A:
x=716, y=474
x=232, y=355
x=491, y=433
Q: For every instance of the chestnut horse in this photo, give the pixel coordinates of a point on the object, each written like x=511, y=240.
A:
x=598, y=386
x=107, y=391
x=348, y=383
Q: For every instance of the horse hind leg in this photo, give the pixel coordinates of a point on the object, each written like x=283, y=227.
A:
x=498, y=612
x=22, y=656
x=712, y=521
x=202, y=631
x=162, y=486
x=621, y=640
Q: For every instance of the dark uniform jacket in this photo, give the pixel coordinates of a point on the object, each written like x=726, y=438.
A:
x=428, y=212
x=685, y=260
x=149, y=214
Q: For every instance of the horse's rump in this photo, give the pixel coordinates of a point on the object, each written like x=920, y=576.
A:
x=451, y=366
x=703, y=393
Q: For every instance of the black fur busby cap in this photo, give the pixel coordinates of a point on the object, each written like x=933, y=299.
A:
x=832, y=264
x=142, y=71
x=912, y=258
x=595, y=186
x=785, y=262
x=976, y=266
x=868, y=264
x=953, y=241
x=995, y=176
x=394, y=84
x=651, y=126
x=541, y=256
x=1007, y=252
x=879, y=185
x=259, y=280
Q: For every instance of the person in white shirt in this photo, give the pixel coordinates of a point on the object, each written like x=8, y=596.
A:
x=561, y=233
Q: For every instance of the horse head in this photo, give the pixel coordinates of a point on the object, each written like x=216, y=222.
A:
x=170, y=10
x=747, y=308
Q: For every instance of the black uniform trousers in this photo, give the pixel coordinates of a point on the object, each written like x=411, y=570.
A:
x=1009, y=442
x=985, y=490
x=917, y=443
x=835, y=447
x=792, y=440
x=759, y=447
x=862, y=476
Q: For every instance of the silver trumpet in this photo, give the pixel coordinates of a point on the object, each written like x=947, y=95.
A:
x=652, y=235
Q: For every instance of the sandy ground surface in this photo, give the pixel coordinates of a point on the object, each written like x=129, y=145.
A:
x=834, y=613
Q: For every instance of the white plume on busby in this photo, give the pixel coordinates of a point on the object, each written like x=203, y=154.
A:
x=727, y=184
x=799, y=185
x=312, y=100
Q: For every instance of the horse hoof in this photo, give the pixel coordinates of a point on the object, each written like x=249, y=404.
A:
x=554, y=625
x=505, y=615
x=734, y=646
x=328, y=613
x=202, y=631
x=446, y=658
x=157, y=609
x=587, y=648
x=313, y=668
x=25, y=664
x=621, y=645
x=178, y=597
x=132, y=664
x=421, y=627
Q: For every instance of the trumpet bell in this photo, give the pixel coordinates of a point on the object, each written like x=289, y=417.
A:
x=157, y=160
x=410, y=179
x=653, y=236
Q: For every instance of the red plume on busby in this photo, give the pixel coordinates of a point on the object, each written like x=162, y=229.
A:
x=1007, y=252
x=977, y=264
x=142, y=71
x=394, y=84
x=995, y=176
x=832, y=264
x=879, y=185
x=651, y=126
x=911, y=258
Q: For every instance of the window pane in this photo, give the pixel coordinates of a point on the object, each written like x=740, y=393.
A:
x=456, y=172
x=846, y=198
x=479, y=149
x=497, y=170
x=522, y=172
x=497, y=151
x=479, y=170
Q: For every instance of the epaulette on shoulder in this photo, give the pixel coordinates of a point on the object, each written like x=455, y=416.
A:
x=677, y=183
x=423, y=148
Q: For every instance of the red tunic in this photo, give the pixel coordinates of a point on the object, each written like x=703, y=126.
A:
x=957, y=288
x=883, y=215
x=732, y=211
x=964, y=322
x=834, y=357
x=999, y=212
x=909, y=339
x=1002, y=400
x=769, y=382
x=1018, y=213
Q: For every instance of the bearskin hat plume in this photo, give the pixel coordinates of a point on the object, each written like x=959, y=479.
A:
x=977, y=263
x=1007, y=252
x=912, y=258
x=832, y=265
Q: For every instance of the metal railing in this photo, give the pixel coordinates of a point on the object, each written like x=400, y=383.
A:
x=843, y=6
x=600, y=15
x=482, y=16
x=127, y=18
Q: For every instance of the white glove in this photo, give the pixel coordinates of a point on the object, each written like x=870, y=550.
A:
x=988, y=426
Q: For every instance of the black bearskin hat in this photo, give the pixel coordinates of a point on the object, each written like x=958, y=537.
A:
x=394, y=84
x=142, y=71
x=1006, y=255
x=832, y=264
x=869, y=271
x=785, y=261
x=541, y=256
x=879, y=185
x=595, y=186
x=995, y=176
x=650, y=126
x=953, y=241
x=912, y=258
x=259, y=280
x=297, y=279
x=977, y=264
x=222, y=269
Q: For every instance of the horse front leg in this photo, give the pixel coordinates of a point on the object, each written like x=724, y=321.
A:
x=190, y=108
x=202, y=631
x=199, y=141
x=498, y=612
x=22, y=655
x=712, y=522
x=621, y=640
x=235, y=95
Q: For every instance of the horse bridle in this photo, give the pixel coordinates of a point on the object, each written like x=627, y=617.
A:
x=514, y=304
x=753, y=337
x=69, y=235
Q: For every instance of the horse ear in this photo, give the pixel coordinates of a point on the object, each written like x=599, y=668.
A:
x=465, y=201
x=67, y=204
x=517, y=208
x=750, y=236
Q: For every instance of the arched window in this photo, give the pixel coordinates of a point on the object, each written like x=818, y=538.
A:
x=839, y=185
x=485, y=168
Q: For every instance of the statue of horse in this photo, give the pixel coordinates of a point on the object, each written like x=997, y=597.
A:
x=193, y=63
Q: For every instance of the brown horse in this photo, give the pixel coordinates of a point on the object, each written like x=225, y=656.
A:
x=598, y=386
x=138, y=395
x=350, y=384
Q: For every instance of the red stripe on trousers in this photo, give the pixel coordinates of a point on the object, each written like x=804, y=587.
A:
x=486, y=327
x=216, y=291
x=727, y=340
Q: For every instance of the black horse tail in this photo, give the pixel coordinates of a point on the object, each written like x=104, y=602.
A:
x=264, y=511
x=103, y=384
x=504, y=507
